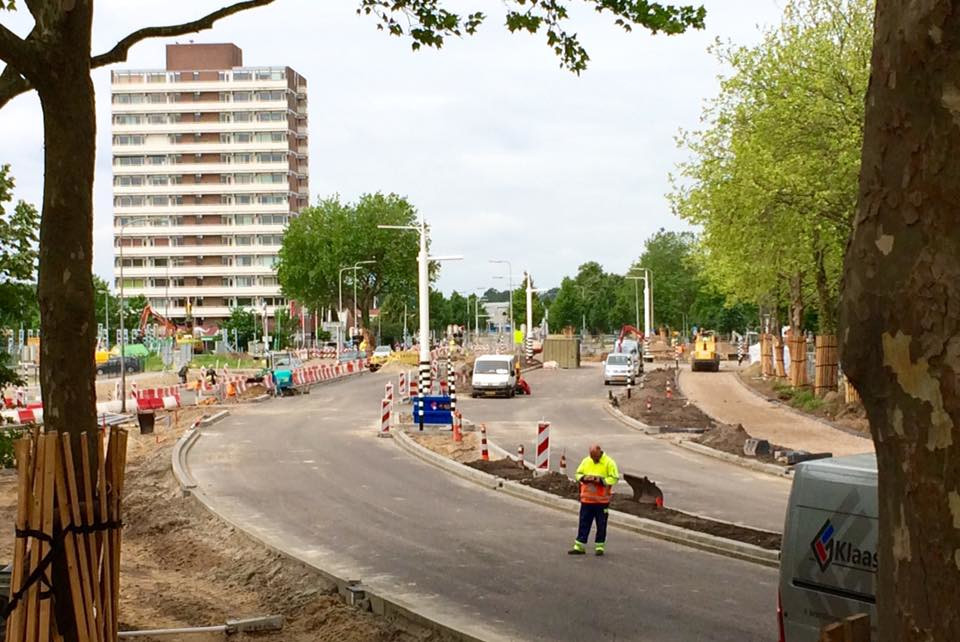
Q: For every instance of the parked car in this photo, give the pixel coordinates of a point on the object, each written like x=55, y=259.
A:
x=494, y=374
x=620, y=367
x=381, y=354
x=828, y=559
x=112, y=366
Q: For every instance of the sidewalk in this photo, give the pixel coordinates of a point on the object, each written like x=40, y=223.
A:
x=725, y=399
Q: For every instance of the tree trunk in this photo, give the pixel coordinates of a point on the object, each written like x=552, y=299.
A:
x=900, y=313
x=65, y=280
x=826, y=301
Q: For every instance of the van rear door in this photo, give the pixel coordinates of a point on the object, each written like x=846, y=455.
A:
x=828, y=565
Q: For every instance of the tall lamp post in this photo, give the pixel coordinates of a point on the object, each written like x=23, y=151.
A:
x=636, y=296
x=340, y=322
x=123, y=356
x=423, y=295
x=510, y=287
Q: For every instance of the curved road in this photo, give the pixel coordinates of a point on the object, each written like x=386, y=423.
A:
x=572, y=401
x=309, y=475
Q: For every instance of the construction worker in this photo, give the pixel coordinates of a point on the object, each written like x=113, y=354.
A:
x=596, y=475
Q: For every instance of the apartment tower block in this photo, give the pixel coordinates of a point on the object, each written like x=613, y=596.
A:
x=209, y=165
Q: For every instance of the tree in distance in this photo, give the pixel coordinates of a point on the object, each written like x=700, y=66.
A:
x=332, y=235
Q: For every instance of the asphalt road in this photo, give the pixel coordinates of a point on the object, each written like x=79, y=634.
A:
x=308, y=474
x=572, y=401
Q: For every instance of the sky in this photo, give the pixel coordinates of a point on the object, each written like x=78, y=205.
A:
x=507, y=155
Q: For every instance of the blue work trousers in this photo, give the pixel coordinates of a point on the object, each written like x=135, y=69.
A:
x=588, y=514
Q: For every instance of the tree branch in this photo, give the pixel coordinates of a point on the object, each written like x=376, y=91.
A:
x=12, y=84
x=14, y=50
x=119, y=51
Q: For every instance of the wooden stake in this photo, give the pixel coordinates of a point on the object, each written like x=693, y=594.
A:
x=106, y=576
x=71, y=542
x=21, y=450
x=120, y=462
x=86, y=578
x=49, y=476
x=89, y=484
x=36, y=512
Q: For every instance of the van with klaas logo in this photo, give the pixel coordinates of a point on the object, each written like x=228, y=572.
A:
x=828, y=560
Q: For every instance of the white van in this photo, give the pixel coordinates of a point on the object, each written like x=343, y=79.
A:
x=828, y=559
x=494, y=374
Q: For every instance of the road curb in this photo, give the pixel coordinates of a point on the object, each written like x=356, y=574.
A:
x=799, y=413
x=350, y=590
x=668, y=532
x=759, y=466
x=630, y=422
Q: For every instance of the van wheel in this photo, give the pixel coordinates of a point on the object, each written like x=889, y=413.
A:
x=99, y=371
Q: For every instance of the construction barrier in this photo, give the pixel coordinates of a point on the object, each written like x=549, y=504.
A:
x=388, y=391
x=457, y=426
x=403, y=389
x=384, y=418
x=484, y=452
x=543, y=446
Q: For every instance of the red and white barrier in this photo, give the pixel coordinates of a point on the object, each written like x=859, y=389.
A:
x=403, y=391
x=384, y=418
x=484, y=452
x=388, y=391
x=414, y=387
x=543, y=446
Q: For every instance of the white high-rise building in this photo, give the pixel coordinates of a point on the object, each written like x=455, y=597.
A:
x=209, y=165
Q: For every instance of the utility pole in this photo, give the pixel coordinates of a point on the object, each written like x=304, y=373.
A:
x=528, y=339
x=636, y=295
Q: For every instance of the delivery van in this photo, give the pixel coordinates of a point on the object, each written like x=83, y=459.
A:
x=828, y=559
x=494, y=374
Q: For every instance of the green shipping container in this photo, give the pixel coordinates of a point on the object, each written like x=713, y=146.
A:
x=564, y=350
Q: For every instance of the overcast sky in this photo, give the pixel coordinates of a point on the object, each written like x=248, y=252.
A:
x=506, y=154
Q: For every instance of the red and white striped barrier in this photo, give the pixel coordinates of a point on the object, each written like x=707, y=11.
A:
x=414, y=387
x=384, y=418
x=402, y=390
x=388, y=391
x=543, y=446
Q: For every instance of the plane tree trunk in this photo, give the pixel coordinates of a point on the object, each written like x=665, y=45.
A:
x=900, y=313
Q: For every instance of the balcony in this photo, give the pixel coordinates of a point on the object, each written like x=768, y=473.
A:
x=196, y=230
x=152, y=149
x=194, y=270
x=191, y=86
x=189, y=189
x=187, y=107
x=194, y=127
x=201, y=168
x=207, y=210
x=195, y=250
x=202, y=291
x=204, y=311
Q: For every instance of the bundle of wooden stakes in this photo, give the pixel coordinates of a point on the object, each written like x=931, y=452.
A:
x=73, y=516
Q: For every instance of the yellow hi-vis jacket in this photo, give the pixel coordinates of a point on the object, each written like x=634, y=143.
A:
x=594, y=493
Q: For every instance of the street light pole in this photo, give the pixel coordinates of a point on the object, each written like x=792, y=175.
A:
x=123, y=356
x=423, y=294
x=636, y=295
x=510, y=288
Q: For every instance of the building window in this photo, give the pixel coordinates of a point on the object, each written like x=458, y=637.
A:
x=242, y=96
x=125, y=139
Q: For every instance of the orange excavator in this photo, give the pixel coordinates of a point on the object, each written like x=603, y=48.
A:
x=628, y=330
x=169, y=326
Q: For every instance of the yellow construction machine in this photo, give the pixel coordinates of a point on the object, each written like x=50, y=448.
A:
x=704, y=355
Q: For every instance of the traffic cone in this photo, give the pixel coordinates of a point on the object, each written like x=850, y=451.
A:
x=658, y=502
x=520, y=455
x=649, y=405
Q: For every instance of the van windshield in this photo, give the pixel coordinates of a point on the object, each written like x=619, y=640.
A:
x=618, y=360
x=491, y=367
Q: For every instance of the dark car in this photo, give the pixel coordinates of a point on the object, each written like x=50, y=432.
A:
x=112, y=366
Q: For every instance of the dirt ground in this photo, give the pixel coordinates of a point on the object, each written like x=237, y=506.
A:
x=675, y=412
x=730, y=439
x=557, y=484
x=183, y=567
x=851, y=416
x=444, y=444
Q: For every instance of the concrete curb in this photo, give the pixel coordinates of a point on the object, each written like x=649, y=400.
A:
x=759, y=466
x=668, y=532
x=799, y=413
x=351, y=591
x=630, y=422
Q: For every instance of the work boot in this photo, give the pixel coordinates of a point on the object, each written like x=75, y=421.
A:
x=599, y=550
x=577, y=549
